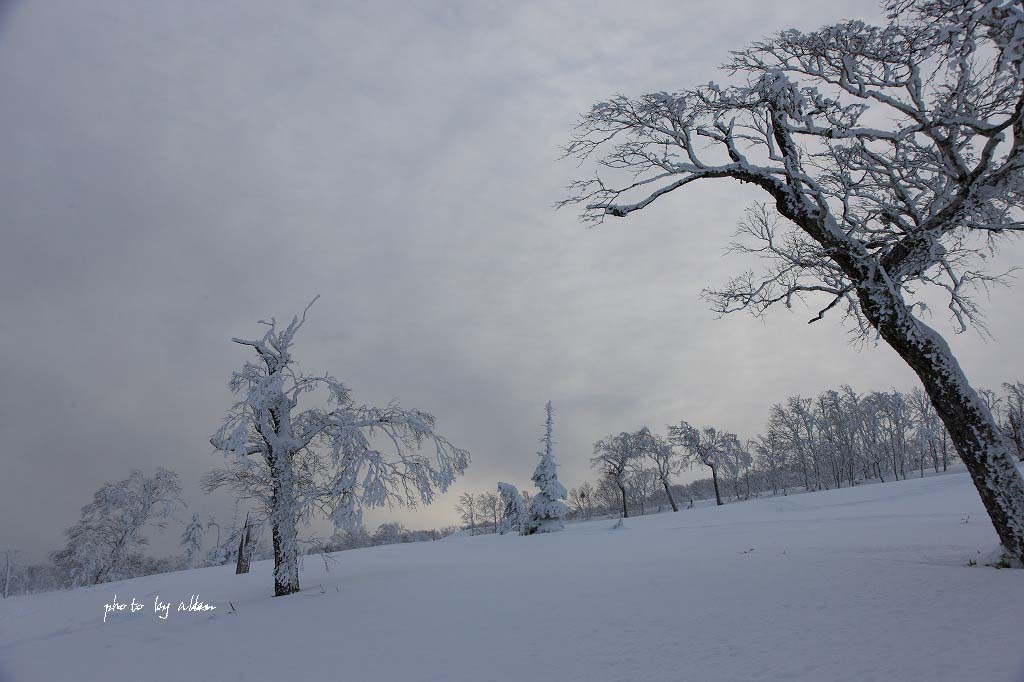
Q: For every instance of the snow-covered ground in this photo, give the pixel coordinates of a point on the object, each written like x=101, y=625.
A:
x=869, y=583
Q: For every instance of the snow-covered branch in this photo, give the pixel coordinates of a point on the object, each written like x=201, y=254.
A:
x=879, y=152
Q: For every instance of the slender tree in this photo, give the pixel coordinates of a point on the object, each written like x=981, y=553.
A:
x=666, y=463
x=1015, y=415
x=736, y=461
x=641, y=485
x=608, y=495
x=582, y=500
x=490, y=508
x=9, y=557
x=771, y=458
x=616, y=457
x=708, y=447
x=468, y=510
x=192, y=542
x=547, y=508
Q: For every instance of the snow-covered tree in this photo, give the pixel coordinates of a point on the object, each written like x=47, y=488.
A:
x=490, y=508
x=338, y=457
x=666, y=463
x=736, y=461
x=1014, y=420
x=226, y=543
x=616, y=457
x=771, y=459
x=608, y=495
x=893, y=158
x=192, y=542
x=513, y=511
x=838, y=434
x=794, y=422
x=927, y=429
x=708, y=446
x=582, y=500
x=468, y=509
x=215, y=556
x=350, y=538
x=105, y=542
x=10, y=555
x=641, y=486
x=898, y=424
x=389, y=533
x=547, y=508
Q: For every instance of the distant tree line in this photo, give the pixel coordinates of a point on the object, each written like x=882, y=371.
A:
x=107, y=542
x=390, y=533
x=838, y=438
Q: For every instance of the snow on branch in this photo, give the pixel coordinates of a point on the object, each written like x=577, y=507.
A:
x=893, y=154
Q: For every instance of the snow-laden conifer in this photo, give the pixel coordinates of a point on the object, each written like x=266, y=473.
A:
x=513, y=513
x=192, y=542
x=547, y=508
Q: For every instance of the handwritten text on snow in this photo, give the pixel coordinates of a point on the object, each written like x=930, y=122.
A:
x=160, y=608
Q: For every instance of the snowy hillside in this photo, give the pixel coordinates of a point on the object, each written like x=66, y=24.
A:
x=869, y=583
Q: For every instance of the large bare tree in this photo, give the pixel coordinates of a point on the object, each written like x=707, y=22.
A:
x=893, y=157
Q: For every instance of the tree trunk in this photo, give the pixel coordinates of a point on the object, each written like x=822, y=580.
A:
x=286, y=567
x=714, y=479
x=671, y=500
x=622, y=491
x=982, y=447
x=7, y=576
x=284, y=533
x=242, y=563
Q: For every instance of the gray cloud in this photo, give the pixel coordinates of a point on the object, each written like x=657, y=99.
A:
x=175, y=171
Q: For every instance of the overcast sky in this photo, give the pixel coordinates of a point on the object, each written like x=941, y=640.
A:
x=171, y=172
